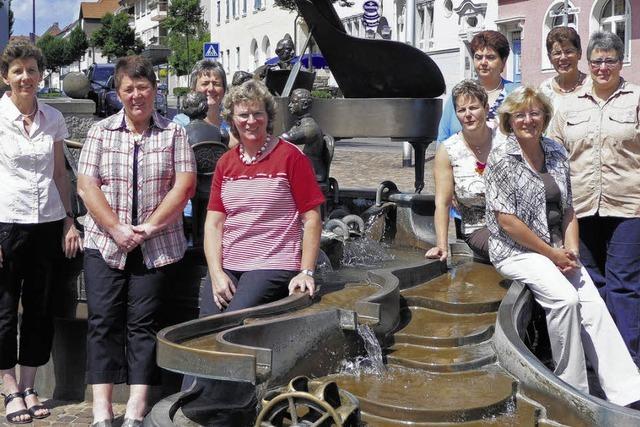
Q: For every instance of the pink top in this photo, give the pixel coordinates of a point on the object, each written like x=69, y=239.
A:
x=29, y=193
x=263, y=202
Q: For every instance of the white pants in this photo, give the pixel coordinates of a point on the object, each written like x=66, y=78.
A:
x=577, y=320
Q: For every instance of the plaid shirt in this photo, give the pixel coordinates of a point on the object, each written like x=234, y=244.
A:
x=107, y=155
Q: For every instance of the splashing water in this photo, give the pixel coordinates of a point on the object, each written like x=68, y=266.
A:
x=364, y=251
x=372, y=363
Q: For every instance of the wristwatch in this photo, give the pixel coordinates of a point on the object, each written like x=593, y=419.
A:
x=307, y=272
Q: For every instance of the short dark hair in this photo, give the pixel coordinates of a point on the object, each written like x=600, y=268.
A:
x=20, y=49
x=562, y=35
x=469, y=88
x=493, y=39
x=134, y=67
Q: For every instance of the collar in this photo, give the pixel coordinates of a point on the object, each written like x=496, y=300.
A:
x=587, y=89
x=9, y=109
x=549, y=146
x=118, y=122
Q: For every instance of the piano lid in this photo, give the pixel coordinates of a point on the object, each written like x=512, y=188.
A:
x=369, y=68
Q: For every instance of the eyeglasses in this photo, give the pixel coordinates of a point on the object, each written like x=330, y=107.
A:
x=609, y=62
x=533, y=115
x=557, y=54
x=257, y=116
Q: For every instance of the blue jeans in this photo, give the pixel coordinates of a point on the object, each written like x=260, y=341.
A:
x=610, y=250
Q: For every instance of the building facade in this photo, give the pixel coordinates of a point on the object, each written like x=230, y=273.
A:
x=249, y=29
x=531, y=20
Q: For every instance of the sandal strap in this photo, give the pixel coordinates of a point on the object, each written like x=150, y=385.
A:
x=9, y=397
x=30, y=391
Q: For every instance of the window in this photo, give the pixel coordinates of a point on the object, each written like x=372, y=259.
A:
x=615, y=17
x=218, y=12
x=234, y=6
x=244, y=7
x=517, y=52
x=237, y=57
x=257, y=5
x=228, y=60
x=228, y=9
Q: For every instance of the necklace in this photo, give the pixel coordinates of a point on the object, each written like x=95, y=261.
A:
x=26, y=116
x=575, y=85
x=495, y=88
x=251, y=160
x=477, y=151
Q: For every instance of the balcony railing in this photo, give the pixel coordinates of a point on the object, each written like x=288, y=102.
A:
x=159, y=12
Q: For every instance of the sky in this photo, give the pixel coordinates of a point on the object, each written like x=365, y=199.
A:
x=63, y=12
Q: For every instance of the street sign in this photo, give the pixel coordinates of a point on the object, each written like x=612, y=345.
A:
x=211, y=50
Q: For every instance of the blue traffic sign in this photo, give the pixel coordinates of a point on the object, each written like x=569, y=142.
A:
x=211, y=50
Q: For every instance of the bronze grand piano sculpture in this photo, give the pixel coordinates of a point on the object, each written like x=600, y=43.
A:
x=389, y=87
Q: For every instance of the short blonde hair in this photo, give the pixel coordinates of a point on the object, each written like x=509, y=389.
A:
x=521, y=97
x=249, y=91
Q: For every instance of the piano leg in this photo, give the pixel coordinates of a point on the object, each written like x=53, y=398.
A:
x=419, y=147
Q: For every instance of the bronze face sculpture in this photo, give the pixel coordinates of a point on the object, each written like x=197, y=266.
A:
x=307, y=132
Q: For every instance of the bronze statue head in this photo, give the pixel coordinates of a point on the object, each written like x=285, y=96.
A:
x=285, y=49
x=300, y=102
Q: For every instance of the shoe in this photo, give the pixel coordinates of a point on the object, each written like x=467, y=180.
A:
x=130, y=422
x=103, y=423
x=12, y=417
x=35, y=408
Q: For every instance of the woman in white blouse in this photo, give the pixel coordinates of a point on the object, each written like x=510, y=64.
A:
x=36, y=226
x=458, y=171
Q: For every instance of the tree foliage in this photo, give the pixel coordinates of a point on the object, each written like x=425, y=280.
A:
x=187, y=31
x=53, y=50
x=76, y=45
x=291, y=4
x=115, y=37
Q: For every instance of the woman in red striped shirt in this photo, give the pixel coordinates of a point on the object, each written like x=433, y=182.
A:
x=262, y=232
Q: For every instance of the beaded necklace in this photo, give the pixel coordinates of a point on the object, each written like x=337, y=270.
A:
x=251, y=160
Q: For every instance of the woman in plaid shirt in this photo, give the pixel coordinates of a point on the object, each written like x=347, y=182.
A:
x=136, y=173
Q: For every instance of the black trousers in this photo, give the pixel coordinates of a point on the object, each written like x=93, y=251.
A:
x=122, y=325
x=31, y=253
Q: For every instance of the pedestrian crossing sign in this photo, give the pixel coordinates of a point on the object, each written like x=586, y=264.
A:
x=211, y=50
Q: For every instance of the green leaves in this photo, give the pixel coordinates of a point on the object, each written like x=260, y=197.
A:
x=186, y=30
x=115, y=37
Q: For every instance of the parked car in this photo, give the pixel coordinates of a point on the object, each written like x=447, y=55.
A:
x=106, y=97
x=98, y=75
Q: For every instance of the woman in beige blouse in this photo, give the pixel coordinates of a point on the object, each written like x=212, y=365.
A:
x=600, y=129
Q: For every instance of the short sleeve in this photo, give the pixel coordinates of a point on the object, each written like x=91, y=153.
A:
x=215, y=196
x=89, y=162
x=184, y=159
x=444, y=127
x=556, y=127
x=61, y=129
x=500, y=191
x=304, y=187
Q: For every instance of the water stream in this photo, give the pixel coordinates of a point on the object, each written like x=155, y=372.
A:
x=372, y=363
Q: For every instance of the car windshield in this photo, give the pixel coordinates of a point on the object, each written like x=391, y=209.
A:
x=101, y=75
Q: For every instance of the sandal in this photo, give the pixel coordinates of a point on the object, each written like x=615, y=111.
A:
x=35, y=408
x=12, y=417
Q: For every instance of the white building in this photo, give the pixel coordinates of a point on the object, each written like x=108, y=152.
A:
x=248, y=30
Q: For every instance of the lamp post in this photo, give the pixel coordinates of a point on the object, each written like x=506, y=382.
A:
x=33, y=32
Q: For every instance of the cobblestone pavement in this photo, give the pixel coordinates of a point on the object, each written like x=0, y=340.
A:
x=353, y=168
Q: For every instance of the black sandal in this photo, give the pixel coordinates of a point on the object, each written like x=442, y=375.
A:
x=12, y=417
x=32, y=410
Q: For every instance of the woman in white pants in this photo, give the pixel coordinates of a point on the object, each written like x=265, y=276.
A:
x=534, y=239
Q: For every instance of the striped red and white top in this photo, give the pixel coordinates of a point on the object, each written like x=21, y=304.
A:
x=262, y=203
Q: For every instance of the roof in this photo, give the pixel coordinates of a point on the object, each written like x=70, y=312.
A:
x=54, y=30
x=96, y=10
